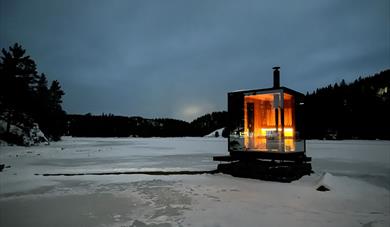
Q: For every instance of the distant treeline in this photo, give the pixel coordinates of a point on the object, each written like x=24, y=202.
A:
x=358, y=110
x=108, y=125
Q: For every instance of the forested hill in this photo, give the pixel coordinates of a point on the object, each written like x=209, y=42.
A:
x=357, y=110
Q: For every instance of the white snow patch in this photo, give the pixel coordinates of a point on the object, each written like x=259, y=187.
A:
x=212, y=134
x=325, y=181
x=30, y=136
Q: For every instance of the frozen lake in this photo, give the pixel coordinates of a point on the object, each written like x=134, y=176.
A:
x=359, y=178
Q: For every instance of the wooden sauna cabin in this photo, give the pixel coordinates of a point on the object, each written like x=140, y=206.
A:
x=266, y=134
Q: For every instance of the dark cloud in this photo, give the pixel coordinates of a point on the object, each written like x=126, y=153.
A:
x=179, y=58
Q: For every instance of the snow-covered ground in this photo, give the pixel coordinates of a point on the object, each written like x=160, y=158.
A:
x=359, y=178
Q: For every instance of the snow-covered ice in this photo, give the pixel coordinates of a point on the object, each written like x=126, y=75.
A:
x=357, y=172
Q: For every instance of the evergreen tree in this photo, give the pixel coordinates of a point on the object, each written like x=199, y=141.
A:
x=57, y=117
x=42, y=88
x=18, y=78
x=42, y=113
x=55, y=94
x=25, y=98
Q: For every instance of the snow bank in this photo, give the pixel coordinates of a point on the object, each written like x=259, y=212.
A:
x=13, y=128
x=24, y=135
x=219, y=131
x=325, y=183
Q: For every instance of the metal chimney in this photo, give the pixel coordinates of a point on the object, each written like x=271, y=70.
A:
x=276, y=77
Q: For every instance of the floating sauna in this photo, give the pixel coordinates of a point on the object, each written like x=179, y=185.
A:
x=266, y=124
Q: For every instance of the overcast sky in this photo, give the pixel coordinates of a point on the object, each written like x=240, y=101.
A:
x=178, y=59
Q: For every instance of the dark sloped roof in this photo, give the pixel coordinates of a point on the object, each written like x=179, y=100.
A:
x=270, y=90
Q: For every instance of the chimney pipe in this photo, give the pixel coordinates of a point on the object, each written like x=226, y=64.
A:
x=276, y=77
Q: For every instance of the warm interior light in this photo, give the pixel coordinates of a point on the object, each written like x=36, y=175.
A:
x=262, y=115
x=288, y=132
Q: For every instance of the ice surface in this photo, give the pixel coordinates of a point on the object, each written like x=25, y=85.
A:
x=366, y=160
x=358, y=173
